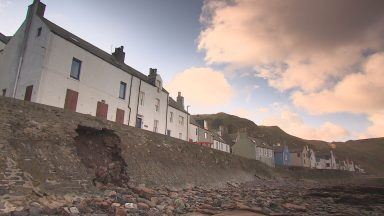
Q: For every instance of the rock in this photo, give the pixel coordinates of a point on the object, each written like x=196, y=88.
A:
x=142, y=205
x=74, y=210
x=35, y=211
x=130, y=206
x=120, y=212
x=179, y=204
x=294, y=207
x=160, y=207
x=144, y=192
x=115, y=205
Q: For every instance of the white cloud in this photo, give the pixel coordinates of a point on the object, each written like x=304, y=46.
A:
x=357, y=93
x=202, y=87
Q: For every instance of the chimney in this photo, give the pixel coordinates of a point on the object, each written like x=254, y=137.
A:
x=119, y=54
x=152, y=76
x=37, y=8
x=180, y=100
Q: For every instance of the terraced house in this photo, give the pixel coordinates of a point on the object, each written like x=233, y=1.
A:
x=47, y=64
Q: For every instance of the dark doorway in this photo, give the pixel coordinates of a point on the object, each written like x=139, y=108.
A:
x=28, y=93
x=71, y=100
x=102, y=110
x=139, y=121
x=120, y=116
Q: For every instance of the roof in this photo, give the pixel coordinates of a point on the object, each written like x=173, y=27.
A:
x=217, y=137
x=259, y=143
x=93, y=49
x=4, y=39
x=174, y=104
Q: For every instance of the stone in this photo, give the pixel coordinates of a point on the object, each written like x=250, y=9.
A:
x=35, y=211
x=160, y=207
x=115, y=205
x=130, y=206
x=74, y=210
x=120, y=212
x=142, y=205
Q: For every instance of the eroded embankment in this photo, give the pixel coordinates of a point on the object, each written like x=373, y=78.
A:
x=46, y=150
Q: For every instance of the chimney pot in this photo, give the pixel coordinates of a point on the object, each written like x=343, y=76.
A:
x=119, y=54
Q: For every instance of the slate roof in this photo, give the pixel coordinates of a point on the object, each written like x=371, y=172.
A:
x=174, y=104
x=94, y=50
x=4, y=39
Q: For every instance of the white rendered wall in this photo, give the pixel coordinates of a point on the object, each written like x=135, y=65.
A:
x=9, y=59
x=98, y=81
x=2, y=45
x=221, y=146
x=193, y=133
x=175, y=127
x=148, y=112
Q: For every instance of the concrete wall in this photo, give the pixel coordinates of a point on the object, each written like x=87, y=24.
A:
x=296, y=159
x=175, y=127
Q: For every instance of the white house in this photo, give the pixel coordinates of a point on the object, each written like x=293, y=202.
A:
x=193, y=132
x=219, y=143
x=46, y=64
x=264, y=153
x=325, y=160
x=178, y=118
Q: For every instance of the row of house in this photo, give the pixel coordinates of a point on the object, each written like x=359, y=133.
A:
x=283, y=156
x=44, y=63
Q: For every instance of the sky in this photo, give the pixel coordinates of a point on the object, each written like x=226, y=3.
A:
x=313, y=68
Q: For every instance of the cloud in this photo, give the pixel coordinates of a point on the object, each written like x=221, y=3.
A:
x=202, y=87
x=4, y=4
x=376, y=127
x=293, y=44
x=291, y=123
x=356, y=93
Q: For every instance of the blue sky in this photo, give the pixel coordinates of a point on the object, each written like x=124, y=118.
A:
x=186, y=40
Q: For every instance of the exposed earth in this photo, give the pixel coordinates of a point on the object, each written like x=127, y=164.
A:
x=54, y=162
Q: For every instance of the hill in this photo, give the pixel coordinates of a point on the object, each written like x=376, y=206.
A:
x=367, y=152
x=271, y=135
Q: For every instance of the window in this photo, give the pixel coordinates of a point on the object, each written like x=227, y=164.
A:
x=197, y=131
x=181, y=120
x=171, y=117
x=4, y=92
x=205, y=135
x=157, y=104
x=158, y=84
x=123, y=89
x=155, y=124
x=180, y=135
x=75, y=68
x=328, y=165
x=39, y=31
x=141, y=98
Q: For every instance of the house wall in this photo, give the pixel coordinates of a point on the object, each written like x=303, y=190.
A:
x=193, y=132
x=2, y=45
x=244, y=147
x=204, y=140
x=99, y=80
x=306, y=157
x=296, y=159
x=265, y=156
x=175, y=127
x=219, y=145
x=9, y=59
x=148, y=111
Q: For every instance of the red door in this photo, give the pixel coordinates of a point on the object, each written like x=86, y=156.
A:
x=28, y=93
x=120, y=116
x=102, y=110
x=71, y=100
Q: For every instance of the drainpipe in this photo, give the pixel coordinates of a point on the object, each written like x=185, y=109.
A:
x=166, y=115
x=138, y=100
x=129, y=101
x=188, y=123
